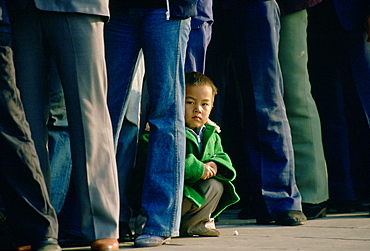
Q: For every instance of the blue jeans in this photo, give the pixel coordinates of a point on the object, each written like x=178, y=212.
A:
x=126, y=154
x=253, y=30
x=199, y=37
x=60, y=164
x=164, y=45
x=59, y=142
x=199, y=40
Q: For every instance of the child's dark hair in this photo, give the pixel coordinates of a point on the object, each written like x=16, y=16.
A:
x=197, y=78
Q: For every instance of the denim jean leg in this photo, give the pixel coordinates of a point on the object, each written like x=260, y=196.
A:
x=274, y=160
x=59, y=142
x=282, y=195
x=122, y=48
x=128, y=137
x=164, y=52
x=60, y=164
x=122, y=51
x=199, y=40
x=126, y=152
x=163, y=43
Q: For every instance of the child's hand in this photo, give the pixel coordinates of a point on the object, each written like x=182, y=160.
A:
x=213, y=165
x=209, y=172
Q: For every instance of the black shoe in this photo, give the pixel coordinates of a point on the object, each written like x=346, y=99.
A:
x=262, y=215
x=362, y=205
x=48, y=244
x=291, y=218
x=125, y=233
x=314, y=211
x=264, y=219
x=67, y=240
x=340, y=207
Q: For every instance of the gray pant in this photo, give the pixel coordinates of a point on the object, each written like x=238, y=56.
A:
x=75, y=41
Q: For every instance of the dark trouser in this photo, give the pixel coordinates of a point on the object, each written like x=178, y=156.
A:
x=252, y=39
x=22, y=185
x=333, y=68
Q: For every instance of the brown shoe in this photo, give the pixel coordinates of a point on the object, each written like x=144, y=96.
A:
x=47, y=244
x=24, y=248
x=105, y=244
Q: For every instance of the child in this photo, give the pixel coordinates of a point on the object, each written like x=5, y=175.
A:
x=208, y=170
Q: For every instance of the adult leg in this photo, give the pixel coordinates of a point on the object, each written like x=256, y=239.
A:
x=58, y=143
x=359, y=54
x=32, y=64
x=199, y=39
x=164, y=45
x=122, y=47
x=268, y=142
x=125, y=69
x=22, y=183
x=218, y=62
x=80, y=60
x=127, y=148
x=328, y=70
x=304, y=121
x=358, y=51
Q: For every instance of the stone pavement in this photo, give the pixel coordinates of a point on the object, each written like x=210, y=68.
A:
x=334, y=232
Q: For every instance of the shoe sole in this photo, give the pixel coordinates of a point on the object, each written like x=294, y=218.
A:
x=293, y=223
x=321, y=214
x=211, y=233
x=165, y=241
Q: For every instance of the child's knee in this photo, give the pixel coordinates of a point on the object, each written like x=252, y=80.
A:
x=212, y=186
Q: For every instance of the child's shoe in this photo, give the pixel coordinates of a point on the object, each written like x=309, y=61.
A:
x=211, y=233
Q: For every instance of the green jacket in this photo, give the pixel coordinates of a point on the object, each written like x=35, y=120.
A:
x=194, y=168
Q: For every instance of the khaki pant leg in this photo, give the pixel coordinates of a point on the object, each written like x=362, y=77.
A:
x=196, y=220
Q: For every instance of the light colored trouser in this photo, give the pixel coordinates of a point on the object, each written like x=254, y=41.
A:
x=197, y=220
x=304, y=121
x=78, y=51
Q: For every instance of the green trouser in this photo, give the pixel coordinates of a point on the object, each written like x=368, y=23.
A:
x=310, y=166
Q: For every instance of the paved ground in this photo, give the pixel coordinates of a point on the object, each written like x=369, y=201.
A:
x=335, y=232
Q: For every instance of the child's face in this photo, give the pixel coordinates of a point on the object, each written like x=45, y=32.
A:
x=198, y=105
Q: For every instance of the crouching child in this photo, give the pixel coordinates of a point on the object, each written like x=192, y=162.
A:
x=208, y=169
